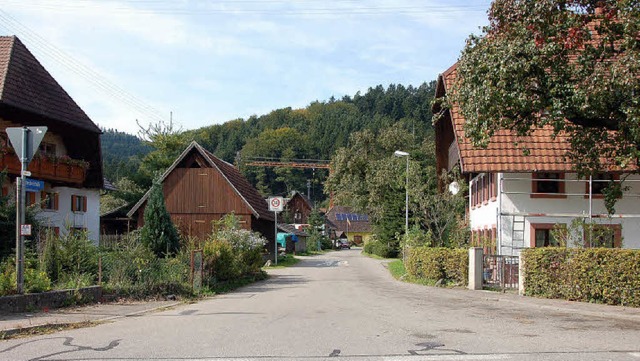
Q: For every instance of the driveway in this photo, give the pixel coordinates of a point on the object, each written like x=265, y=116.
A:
x=345, y=306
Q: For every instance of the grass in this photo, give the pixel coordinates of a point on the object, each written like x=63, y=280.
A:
x=397, y=269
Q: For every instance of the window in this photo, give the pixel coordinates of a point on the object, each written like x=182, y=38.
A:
x=30, y=198
x=78, y=203
x=541, y=235
x=49, y=201
x=600, y=181
x=547, y=185
x=48, y=149
x=603, y=235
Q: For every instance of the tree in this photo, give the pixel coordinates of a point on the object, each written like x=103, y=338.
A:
x=167, y=143
x=158, y=232
x=572, y=65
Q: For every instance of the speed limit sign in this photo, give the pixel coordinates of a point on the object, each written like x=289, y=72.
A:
x=276, y=204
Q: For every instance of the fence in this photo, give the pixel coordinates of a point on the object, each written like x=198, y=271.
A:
x=110, y=240
x=500, y=271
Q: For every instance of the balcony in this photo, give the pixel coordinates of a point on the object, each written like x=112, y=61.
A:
x=58, y=169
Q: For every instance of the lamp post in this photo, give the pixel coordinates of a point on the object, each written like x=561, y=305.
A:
x=399, y=153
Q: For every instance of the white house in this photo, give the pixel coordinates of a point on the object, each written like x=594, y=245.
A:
x=68, y=163
x=516, y=199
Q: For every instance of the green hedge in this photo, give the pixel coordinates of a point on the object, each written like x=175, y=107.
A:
x=449, y=264
x=601, y=275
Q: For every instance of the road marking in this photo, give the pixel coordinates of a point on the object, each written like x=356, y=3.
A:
x=635, y=354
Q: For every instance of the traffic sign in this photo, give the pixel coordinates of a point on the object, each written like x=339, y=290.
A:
x=33, y=185
x=34, y=137
x=276, y=204
x=25, y=229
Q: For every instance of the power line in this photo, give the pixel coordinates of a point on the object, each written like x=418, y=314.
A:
x=170, y=8
x=94, y=78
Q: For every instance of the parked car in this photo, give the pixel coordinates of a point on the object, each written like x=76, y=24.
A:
x=343, y=244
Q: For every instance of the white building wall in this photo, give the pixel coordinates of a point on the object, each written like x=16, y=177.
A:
x=64, y=218
x=574, y=203
x=483, y=216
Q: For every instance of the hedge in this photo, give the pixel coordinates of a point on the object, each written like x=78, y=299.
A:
x=601, y=275
x=434, y=263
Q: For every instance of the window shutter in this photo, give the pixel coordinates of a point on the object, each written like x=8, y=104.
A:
x=73, y=203
x=55, y=201
x=31, y=198
x=43, y=197
x=84, y=204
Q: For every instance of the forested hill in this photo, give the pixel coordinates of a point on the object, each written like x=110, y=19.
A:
x=121, y=153
x=322, y=127
x=314, y=132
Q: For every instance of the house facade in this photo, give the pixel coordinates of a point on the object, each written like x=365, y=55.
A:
x=68, y=161
x=343, y=222
x=299, y=207
x=200, y=188
x=519, y=199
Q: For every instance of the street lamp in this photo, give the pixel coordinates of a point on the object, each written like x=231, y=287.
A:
x=399, y=153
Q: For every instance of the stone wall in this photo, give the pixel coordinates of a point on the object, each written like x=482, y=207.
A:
x=52, y=299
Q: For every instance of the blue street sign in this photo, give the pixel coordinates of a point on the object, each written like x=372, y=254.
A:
x=33, y=185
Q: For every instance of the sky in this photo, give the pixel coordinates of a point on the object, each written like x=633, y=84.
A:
x=198, y=63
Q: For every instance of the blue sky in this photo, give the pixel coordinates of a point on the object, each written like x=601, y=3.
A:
x=208, y=62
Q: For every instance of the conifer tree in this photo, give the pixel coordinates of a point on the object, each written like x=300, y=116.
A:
x=158, y=232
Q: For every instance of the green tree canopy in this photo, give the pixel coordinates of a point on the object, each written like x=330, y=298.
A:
x=569, y=64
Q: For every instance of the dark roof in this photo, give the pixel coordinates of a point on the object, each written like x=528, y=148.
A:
x=108, y=185
x=304, y=198
x=351, y=226
x=26, y=85
x=289, y=228
x=243, y=188
x=240, y=183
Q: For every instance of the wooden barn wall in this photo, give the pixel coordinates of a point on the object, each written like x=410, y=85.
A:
x=201, y=191
x=201, y=225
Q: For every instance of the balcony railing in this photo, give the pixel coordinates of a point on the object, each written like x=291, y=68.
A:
x=53, y=169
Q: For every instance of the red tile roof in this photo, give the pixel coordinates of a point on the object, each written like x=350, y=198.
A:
x=26, y=85
x=505, y=150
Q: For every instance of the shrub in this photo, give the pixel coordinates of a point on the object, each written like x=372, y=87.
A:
x=449, y=264
x=380, y=248
x=231, y=253
x=132, y=269
x=601, y=275
x=70, y=254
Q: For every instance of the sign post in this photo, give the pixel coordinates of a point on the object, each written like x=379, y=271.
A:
x=276, y=204
x=25, y=140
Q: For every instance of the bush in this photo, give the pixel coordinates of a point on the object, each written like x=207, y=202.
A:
x=231, y=253
x=71, y=254
x=449, y=264
x=380, y=248
x=132, y=270
x=610, y=276
x=34, y=279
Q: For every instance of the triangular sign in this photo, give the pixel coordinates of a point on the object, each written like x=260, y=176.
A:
x=34, y=137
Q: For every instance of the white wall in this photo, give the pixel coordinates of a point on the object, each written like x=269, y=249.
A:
x=574, y=203
x=65, y=218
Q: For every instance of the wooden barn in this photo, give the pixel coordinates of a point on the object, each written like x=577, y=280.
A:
x=200, y=188
x=299, y=207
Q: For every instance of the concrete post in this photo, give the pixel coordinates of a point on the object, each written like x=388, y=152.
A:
x=475, y=268
x=521, y=274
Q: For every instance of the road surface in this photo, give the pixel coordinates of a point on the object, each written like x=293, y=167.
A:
x=344, y=306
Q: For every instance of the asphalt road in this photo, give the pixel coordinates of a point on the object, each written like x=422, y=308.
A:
x=344, y=306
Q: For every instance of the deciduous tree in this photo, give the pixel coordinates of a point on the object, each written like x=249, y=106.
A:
x=573, y=65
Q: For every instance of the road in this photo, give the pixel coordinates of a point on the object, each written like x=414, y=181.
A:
x=344, y=306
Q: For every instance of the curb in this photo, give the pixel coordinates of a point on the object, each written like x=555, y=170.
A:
x=18, y=330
